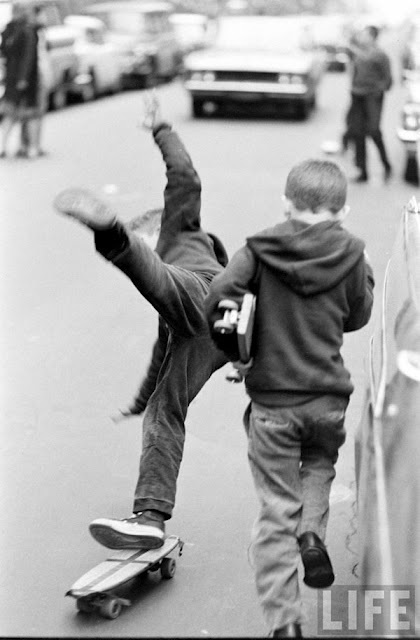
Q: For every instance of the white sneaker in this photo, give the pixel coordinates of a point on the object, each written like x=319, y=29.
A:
x=136, y=532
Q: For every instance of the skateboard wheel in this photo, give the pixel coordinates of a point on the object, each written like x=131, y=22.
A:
x=84, y=605
x=228, y=305
x=221, y=326
x=168, y=568
x=110, y=609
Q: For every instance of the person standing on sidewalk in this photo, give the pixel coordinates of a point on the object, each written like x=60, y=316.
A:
x=312, y=282
x=371, y=78
x=19, y=48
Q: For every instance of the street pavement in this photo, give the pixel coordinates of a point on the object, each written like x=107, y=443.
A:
x=76, y=338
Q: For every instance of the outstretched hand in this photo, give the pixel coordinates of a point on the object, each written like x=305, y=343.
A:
x=152, y=116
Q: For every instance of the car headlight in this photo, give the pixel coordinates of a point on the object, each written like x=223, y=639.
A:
x=297, y=79
x=411, y=121
x=209, y=76
x=283, y=78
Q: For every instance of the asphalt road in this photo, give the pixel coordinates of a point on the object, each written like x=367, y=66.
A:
x=76, y=338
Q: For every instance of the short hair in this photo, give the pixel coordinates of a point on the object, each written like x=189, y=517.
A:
x=315, y=185
x=373, y=31
x=147, y=222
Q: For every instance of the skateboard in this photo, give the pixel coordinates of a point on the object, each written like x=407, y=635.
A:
x=96, y=589
x=241, y=322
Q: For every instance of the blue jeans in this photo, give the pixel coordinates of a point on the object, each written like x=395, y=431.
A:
x=292, y=452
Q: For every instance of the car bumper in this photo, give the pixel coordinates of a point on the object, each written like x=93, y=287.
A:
x=248, y=91
x=408, y=135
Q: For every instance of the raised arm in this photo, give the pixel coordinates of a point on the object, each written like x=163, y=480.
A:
x=183, y=188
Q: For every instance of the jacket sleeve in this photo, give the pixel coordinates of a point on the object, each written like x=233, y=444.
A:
x=361, y=305
x=183, y=188
x=148, y=385
x=231, y=284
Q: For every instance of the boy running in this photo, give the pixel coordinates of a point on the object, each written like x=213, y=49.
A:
x=312, y=283
x=175, y=280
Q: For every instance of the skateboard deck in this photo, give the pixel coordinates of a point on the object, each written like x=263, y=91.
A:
x=94, y=590
x=245, y=327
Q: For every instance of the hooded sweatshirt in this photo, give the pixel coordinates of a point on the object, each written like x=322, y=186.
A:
x=312, y=284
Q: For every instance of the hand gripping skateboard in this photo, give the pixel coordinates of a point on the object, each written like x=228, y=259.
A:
x=97, y=590
x=241, y=322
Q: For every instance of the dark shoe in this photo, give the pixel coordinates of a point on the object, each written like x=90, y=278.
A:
x=86, y=208
x=141, y=531
x=21, y=153
x=361, y=177
x=387, y=173
x=291, y=630
x=3, y=154
x=318, y=568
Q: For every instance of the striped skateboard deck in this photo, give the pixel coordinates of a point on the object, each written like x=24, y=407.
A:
x=93, y=591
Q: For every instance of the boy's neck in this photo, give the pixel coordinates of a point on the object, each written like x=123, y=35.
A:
x=310, y=217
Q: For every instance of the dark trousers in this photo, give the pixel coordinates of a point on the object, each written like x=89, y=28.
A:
x=178, y=296
x=364, y=119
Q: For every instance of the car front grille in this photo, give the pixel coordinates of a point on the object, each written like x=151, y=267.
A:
x=246, y=76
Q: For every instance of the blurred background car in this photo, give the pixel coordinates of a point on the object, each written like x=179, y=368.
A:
x=99, y=61
x=331, y=35
x=192, y=30
x=144, y=35
x=256, y=59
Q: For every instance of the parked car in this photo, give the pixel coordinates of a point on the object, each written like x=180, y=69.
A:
x=388, y=438
x=192, y=30
x=100, y=62
x=331, y=35
x=145, y=36
x=409, y=130
x=256, y=59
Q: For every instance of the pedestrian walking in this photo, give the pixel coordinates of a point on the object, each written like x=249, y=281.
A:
x=31, y=131
x=312, y=282
x=175, y=280
x=371, y=78
x=19, y=49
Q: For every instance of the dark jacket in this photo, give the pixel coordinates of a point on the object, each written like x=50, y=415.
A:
x=312, y=284
x=371, y=71
x=183, y=243
x=19, y=44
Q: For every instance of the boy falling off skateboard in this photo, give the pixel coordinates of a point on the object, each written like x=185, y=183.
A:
x=175, y=280
x=312, y=283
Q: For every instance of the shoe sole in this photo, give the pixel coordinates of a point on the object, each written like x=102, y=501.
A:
x=107, y=537
x=318, y=569
x=85, y=208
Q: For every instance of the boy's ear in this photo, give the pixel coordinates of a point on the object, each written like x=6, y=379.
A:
x=343, y=213
x=287, y=206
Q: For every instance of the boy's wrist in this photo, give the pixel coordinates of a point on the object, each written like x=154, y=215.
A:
x=161, y=125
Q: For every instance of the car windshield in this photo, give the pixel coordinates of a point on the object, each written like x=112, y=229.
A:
x=282, y=36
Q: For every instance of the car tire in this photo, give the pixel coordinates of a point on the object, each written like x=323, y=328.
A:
x=197, y=108
x=411, y=173
x=58, y=98
x=302, y=110
x=89, y=91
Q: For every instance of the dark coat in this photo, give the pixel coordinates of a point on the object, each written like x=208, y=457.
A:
x=19, y=48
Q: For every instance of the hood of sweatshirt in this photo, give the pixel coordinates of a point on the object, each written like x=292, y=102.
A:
x=308, y=258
